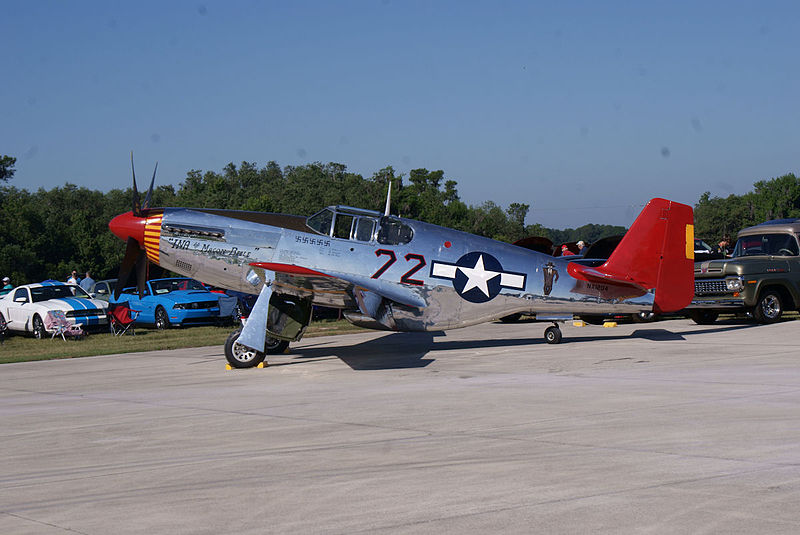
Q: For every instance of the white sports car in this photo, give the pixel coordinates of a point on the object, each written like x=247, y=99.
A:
x=25, y=307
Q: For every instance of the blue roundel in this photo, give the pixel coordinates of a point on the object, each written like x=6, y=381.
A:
x=478, y=278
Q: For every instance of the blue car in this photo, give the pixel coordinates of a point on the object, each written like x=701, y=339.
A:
x=172, y=302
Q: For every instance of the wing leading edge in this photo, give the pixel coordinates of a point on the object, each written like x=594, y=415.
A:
x=303, y=281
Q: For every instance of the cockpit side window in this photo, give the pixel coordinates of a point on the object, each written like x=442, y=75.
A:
x=343, y=226
x=394, y=232
x=365, y=227
x=321, y=222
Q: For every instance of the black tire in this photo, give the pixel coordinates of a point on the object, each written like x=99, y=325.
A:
x=239, y=356
x=769, y=308
x=552, y=335
x=161, y=319
x=511, y=318
x=644, y=317
x=593, y=320
x=38, y=327
x=275, y=346
x=3, y=327
x=704, y=317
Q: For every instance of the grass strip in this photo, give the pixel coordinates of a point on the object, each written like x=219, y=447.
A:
x=25, y=349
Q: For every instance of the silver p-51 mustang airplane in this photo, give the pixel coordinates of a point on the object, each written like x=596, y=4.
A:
x=397, y=274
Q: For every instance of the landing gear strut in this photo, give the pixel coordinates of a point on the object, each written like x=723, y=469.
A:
x=552, y=335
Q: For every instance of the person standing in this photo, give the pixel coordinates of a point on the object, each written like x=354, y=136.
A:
x=73, y=279
x=7, y=287
x=87, y=282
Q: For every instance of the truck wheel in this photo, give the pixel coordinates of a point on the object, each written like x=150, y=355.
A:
x=241, y=356
x=704, y=317
x=644, y=317
x=769, y=308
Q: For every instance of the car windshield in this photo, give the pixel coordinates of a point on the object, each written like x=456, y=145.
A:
x=170, y=285
x=701, y=246
x=766, y=244
x=45, y=293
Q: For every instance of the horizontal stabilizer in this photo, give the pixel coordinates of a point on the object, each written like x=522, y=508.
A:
x=657, y=253
x=590, y=274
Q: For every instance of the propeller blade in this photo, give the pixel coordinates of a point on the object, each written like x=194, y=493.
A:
x=146, y=204
x=141, y=273
x=137, y=207
x=132, y=251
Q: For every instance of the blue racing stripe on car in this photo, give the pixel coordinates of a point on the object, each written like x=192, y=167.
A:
x=80, y=304
x=76, y=304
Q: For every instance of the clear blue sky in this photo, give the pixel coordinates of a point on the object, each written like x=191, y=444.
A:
x=584, y=110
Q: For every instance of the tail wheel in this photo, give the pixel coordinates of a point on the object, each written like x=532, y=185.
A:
x=162, y=320
x=704, y=317
x=769, y=308
x=552, y=335
x=241, y=356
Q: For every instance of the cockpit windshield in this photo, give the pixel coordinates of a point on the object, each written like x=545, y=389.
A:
x=321, y=221
x=766, y=244
x=360, y=225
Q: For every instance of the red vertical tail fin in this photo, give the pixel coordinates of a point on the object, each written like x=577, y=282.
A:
x=658, y=252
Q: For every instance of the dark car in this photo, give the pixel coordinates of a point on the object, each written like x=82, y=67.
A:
x=703, y=251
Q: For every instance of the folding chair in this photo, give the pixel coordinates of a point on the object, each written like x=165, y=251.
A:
x=121, y=318
x=57, y=323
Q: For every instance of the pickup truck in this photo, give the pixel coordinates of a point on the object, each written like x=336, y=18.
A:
x=762, y=276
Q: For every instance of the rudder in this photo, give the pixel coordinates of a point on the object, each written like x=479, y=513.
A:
x=658, y=252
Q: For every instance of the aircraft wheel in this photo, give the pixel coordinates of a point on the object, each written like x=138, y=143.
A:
x=241, y=356
x=552, y=335
x=703, y=317
x=38, y=328
x=275, y=346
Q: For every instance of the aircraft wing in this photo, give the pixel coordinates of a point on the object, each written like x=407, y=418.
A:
x=332, y=287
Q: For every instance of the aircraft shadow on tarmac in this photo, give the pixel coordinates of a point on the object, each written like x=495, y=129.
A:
x=408, y=350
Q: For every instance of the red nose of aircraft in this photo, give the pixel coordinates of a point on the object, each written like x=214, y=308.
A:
x=127, y=225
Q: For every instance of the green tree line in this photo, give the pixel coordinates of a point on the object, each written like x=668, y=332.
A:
x=776, y=198
x=48, y=233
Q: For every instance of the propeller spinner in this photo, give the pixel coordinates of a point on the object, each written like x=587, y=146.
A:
x=130, y=228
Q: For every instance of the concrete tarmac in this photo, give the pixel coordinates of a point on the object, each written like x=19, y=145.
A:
x=667, y=427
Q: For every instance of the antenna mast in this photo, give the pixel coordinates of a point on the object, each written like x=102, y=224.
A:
x=388, y=199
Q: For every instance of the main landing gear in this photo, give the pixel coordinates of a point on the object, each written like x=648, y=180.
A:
x=241, y=356
x=552, y=335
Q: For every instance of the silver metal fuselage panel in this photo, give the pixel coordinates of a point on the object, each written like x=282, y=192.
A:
x=218, y=250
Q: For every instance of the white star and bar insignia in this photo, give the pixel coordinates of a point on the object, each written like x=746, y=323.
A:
x=477, y=276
